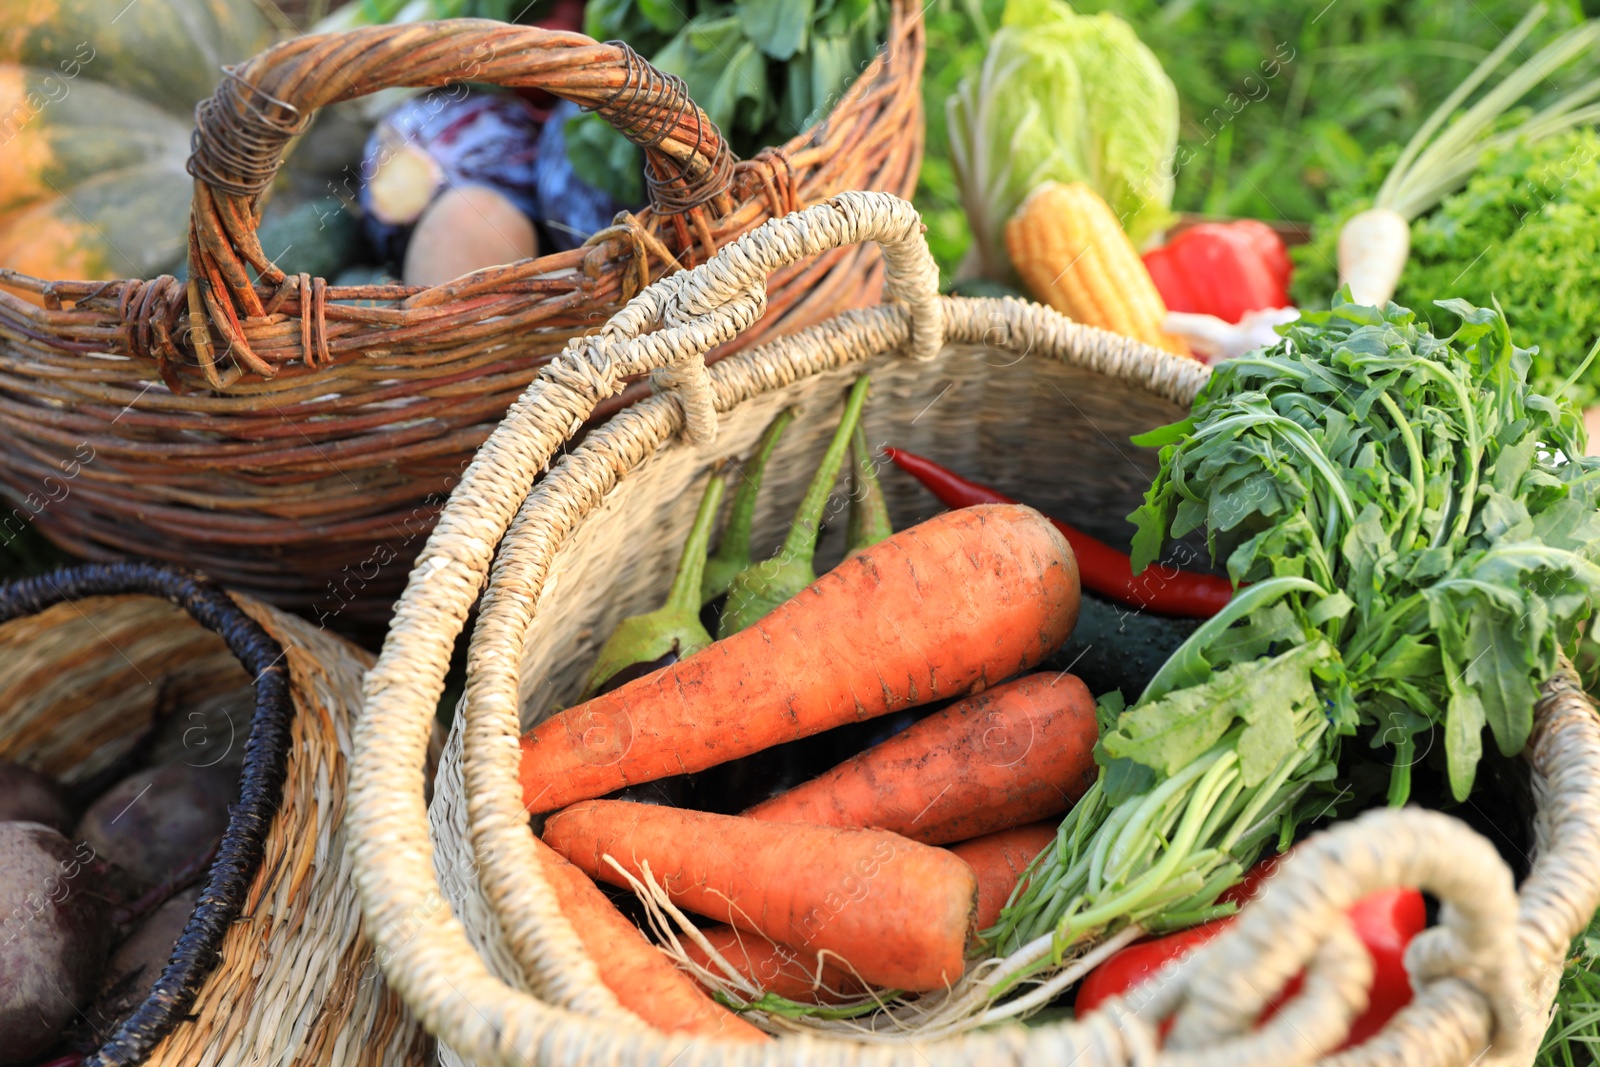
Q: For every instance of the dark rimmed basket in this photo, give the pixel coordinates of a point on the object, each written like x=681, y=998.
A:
x=95, y=656
x=298, y=448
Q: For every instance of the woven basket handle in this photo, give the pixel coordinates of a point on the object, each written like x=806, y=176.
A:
x=1222, y=989
x=699, y=309
x=242, y=130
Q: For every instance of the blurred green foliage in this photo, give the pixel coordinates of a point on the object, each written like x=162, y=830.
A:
x=1347, y=77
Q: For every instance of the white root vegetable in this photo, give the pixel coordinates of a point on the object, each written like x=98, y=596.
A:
x=1372, y=252
x=1214, y=339
x=1447, y=148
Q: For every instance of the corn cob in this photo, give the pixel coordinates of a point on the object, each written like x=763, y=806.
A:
x=1073, y=255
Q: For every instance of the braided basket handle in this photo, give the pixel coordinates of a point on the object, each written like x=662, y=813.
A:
x=710, y=305
x=242, y=130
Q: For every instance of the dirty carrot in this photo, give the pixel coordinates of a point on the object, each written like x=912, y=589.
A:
x=775, y=968
x=899, y=914
x=942, y=609
x=641, y=976
x=1013, y=754
x=1105, y=570
x=999, y=860
x=733, y=550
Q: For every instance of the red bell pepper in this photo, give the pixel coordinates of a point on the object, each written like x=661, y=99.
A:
x=1101, y=568
x=1222, y=268
x=1385, y=922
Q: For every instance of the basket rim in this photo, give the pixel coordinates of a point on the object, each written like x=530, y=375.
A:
x=390, y=846
x=230, y=875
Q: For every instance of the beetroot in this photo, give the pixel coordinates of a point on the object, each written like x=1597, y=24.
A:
x=57, y=928
x=446, y=138
x=28, y=796
x=140, y=959
x=161, y=824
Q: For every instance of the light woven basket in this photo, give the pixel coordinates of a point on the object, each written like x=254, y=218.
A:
x=1003, y=391
x=273, y=968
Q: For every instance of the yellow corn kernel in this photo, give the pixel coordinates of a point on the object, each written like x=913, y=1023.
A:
x=1073, y=254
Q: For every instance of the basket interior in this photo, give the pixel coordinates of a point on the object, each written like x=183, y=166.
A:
x=1020, y=423
x=85, y=680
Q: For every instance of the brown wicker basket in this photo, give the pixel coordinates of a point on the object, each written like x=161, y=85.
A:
x=299, y=448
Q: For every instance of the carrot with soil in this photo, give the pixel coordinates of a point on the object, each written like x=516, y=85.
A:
x=1106, y=570
x=1014, y=754
x=999, y=861
x=643, y=643
x=946, y=608
x=762, y=586
x=774, y=968
x=641, y=976
x=898, y=913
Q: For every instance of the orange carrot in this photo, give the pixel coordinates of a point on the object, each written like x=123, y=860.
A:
x=899, y=913
x=945, y=608
x=1012, y=754
x=644, y=980
x=998, y=860
x=775, y=968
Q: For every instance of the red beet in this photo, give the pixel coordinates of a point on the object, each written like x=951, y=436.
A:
x=56, y=930
x=28, y=796
x=161, y=823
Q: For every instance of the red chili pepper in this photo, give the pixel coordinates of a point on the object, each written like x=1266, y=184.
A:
x=1385, y=922
x=1223, y=269
x=1103, y=569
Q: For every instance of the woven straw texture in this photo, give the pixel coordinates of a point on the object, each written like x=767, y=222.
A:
x=295, y=982
x=1006, y=392
x=298, y=448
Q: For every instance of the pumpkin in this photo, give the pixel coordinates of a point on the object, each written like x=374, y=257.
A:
x=96, y=103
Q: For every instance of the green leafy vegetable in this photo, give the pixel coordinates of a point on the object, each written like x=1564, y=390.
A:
x=1524, y=232
x=1419, y=532
x=1419, y=475
x=763, y=70
x=1062, y=97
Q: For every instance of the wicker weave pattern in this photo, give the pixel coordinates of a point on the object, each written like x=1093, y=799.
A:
x=1488, y=967
x=295, y=982
x=298, y=448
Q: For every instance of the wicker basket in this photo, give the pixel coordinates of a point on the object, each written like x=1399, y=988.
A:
x=272, y=968
x=1003, y=391
x=298, y=448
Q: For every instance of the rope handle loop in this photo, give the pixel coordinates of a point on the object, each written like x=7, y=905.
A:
x=667, y=329
x=1301, y=916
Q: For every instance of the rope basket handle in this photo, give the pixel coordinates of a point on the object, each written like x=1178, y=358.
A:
x=242, y=130
x=425, y=951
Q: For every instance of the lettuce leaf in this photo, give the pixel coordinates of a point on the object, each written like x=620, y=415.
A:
x=1063, y=97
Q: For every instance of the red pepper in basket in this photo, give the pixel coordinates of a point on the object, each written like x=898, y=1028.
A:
x=1223, y=269
x=1385, y=922
x=1102, y=569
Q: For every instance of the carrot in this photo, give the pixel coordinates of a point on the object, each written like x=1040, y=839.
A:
x=1009, y=755
x=644, y=980
x=942, y=609
x=998, y=860
x=897, y=912
x=776, y=968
